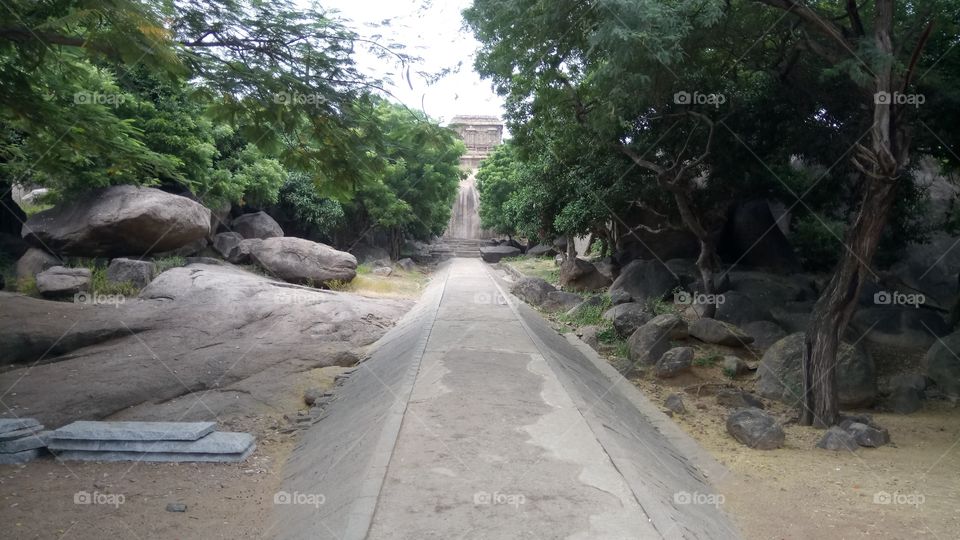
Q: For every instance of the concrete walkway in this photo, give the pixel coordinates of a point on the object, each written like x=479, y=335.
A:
x=508, y=431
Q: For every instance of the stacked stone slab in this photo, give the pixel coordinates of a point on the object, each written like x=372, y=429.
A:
x=21, y=440
x=150, y=441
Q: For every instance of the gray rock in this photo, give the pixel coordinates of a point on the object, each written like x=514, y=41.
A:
x=382, y=271
x=905, y=400
x=61, y=281
x=135, y=431
x=867, y=435
x=650, y=341
x=734, y=366
x=588, y=334
x=256, y=225
x=914, y=381
x=169, y=457
x=780, y=373
x=407, y=264
x=16, y=424
x=674, y=362
x=642, y=281
x=217, y=442
x=36, y=440
x=674, y=402
x=836, y=438
x=242, y=253
x=755, y=429
x=942, y=365
x=719, y=333
x=17, y=458
x=626, y=318
x=753, y=238
x=738, y=308
x=118, y=221
x=542, y=250
x=35, y=261
x=580, y=275
x=20, y=433
x=138, y=273
x=904, y=327
x=226, y=242
x=176, y=507
x=312, y=395
x=738, y=399
x=764, y=333
x=298, y=261
x=493, y=254
x=532, y=290
x=560, y=301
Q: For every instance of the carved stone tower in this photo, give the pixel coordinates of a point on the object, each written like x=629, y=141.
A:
x=481, y=134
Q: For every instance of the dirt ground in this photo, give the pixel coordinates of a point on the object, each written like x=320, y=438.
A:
x=800, y=492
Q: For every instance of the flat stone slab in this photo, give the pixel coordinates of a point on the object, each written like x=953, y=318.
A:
x=135, y=431
x=174, y=457
x=20, y=433
x=30, y=442
x=218, y=442
x=19, y=457
x=16, y=424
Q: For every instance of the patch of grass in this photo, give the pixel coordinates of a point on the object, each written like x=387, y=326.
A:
x=8, y=269
x=27, y=286
x=166, y=263
x=589, y=315
x=399, y=284
x=658, y=306
x=101, y=285
x=729, y=373
x=707, y=361
x=364, y=268
x=540, y=267
x=34, y=208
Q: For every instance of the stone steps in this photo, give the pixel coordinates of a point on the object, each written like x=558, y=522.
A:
x=21, y=440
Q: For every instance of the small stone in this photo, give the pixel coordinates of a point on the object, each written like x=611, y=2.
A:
x=755, y=429
x=836, y=439
x=734, y=366
x=736, y=399
x=868, y=436
x=176, y=507
x=674, y=362
x=312, y=395
x=674, y=403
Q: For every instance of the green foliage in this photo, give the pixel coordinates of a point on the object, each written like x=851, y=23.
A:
x=589, y=315
x=166, y=263
x=707, y=361
x=101, y=285
x=818, y=242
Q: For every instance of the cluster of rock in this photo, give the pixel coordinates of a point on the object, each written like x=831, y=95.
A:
x=129, y=225
x=149, y=441
x=854, y=432
x=21, y=440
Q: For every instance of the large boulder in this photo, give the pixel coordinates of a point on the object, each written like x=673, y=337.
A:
x=836, y=438
x=493, y=254
x=719, y=333
x=648, y=344
x=580, y=275
x=35, y=261
x=532, y=290
x=942, y=365
x=542, y=250
x=299, y=261
x=60, y=281
x=764, y=333
x=119, y=220
x=899, y=326
x=626, y=318
x=641, y=281
x=136, y=272
x=226, y=242
x=256, y=225
x=674, y=362
x=752, y=237
x=755, y=429
x=780, y=373
x=561, y=301
x=932, y=268
x=592, y=303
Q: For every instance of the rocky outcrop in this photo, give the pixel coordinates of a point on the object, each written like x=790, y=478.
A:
x=719, y=333
x=764, y=333
x=903, y=327
x=225, y=243
x=493, y=254
x=642, y=281
x=648, y=344
x=780, y=373
x=626, y=318
x=35, y=261
x=580, y=275
x=674, y=362
x=301, y=261
x=118, y=221
x=256, y=225
x=942, y=365
x=137, y=273
x=532, y=290
x=60, y=281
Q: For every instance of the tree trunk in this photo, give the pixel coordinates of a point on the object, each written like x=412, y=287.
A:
x=832, y=312
x=571, y=248
x=707, y=261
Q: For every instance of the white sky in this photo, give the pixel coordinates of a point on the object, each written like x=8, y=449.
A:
x=432, y=30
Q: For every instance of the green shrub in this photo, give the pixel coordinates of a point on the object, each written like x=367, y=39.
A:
x=589, y=315
x=101, y=285
x=166, y=263
x=707, y=361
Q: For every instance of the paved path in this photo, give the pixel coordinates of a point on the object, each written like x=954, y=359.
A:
x=474, y=419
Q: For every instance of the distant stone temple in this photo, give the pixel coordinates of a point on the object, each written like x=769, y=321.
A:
x=481, y=134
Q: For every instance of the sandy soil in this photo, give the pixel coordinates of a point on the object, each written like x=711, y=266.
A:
x=800, y=491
